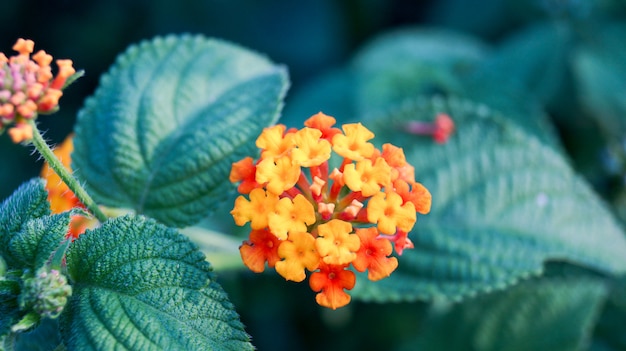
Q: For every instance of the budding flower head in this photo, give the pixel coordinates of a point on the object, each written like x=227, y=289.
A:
x=46, y=293
x=28, y=87
x=306, y=217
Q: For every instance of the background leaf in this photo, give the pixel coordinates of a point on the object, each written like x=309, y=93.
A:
x=598, y=66
x=168, y=120
x=503, y=204
x=142, y=286
x=28, y=202
x=45, y=337
x=609, y=331
x=412, y=62
x=548, y=314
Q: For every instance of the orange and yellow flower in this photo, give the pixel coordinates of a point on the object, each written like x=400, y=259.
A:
x=28, y=87
x=306, y=217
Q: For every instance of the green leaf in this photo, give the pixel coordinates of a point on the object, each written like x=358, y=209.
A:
x=139, y=285
x=411, y=62
x=609, y=331
x=533, y=60
x=167, y=121
x=28, y=202
x=503, y=204
x=601, y=76
x=38, y=239
x=548, y=314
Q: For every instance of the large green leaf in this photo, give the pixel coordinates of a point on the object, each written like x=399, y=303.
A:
x=28, y=202
x=503, y=204
x=549, y=314
x=167, y=121
x=139, y=285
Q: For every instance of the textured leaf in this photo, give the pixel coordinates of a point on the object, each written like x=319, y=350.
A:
x=167, y=121
x=549, y=314
x=503, y=204
x=139, y=285
x=412, y=62
x=38, y=239
x=29, y=201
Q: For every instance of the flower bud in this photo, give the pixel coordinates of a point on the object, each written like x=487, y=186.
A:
x=46, y=293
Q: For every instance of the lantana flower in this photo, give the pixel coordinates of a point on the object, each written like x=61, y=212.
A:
x=61, y=198
x=310, y=220
x=28, y=88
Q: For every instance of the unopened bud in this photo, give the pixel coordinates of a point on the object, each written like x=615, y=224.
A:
x=46, y=293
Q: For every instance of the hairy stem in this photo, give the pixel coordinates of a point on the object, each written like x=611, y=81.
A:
x=64, y=174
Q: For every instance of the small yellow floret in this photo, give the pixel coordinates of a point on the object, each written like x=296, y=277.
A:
x=388, y=212
x=353, y=144
x=367, y=178
x=310, y=149
x=291, y=216
x=298, y=253
x=335, y=244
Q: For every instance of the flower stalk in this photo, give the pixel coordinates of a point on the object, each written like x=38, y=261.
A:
x=67, y=177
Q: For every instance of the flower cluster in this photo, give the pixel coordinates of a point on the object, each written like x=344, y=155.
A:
x=306, y=216
x=60, y=196
x=28, y=87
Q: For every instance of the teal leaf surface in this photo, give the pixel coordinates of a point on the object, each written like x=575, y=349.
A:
x=601, y=77
x=169, y=119
x=139, y=285
x=547, y=314
x=28, y=202
x=38, y=239
x=503, y=204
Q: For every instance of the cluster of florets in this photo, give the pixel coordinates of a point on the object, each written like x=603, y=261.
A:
x=306, y=216
x=28, y=87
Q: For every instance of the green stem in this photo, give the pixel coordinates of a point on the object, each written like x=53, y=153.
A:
x=64, y=174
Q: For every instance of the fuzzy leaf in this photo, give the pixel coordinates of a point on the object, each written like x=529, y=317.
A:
x=38, y=239
x=28, y=202
x=167, y=121
x=139, y=285
x=503, y=204
x=548, y=314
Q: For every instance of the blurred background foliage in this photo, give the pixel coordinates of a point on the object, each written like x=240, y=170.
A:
x=556, y=67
